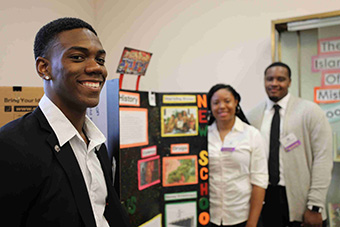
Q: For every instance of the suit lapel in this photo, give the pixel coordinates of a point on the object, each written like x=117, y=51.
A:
x=69, y=162
x=104, y=162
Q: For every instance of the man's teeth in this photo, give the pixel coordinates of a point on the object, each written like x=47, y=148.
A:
x=91, y=84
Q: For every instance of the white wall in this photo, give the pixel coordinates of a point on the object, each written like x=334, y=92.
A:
x=195, y=43
x=20, y=20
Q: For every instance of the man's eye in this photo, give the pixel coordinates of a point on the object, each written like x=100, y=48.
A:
x=101, y=61
x=77, y=57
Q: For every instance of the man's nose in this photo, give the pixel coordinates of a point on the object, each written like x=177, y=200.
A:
x=93, y=67
x=275, y=82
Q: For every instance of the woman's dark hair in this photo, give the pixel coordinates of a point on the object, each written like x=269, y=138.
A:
x=238, y=112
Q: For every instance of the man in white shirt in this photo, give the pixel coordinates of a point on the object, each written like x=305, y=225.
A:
x=53, y=162
x=300, y=174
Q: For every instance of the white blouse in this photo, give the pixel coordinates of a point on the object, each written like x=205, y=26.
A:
x=235, y=164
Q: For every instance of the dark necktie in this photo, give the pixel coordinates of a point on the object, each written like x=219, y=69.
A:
x=274, y=147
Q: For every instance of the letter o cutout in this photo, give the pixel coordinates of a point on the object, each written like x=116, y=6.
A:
x=204, y=218
x=204, y=203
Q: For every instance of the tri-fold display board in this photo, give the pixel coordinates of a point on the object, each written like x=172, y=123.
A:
x=162, y=158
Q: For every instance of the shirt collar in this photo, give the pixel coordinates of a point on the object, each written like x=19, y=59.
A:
x=238, y=125
x=63, y=128
x=93, y=133
x=282, y=103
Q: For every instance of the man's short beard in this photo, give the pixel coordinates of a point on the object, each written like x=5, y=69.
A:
x=274, y=98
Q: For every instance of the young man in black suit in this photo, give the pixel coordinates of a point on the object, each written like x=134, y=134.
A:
x=54, y=166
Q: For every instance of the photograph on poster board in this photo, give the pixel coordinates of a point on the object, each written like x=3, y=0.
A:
x=334, y=214
x=148, y=172
x=133, y=124
x=180, y=170
x=179, y=121
x=180, y=214
x=134, y=62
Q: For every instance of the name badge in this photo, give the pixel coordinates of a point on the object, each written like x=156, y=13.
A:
x=228, y=149
x=290, y=142
x=229, y=146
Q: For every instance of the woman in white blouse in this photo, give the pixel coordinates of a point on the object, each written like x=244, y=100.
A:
x=238, y=174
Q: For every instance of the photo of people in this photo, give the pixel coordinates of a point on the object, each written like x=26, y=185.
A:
x=134, y=62
x=179, y=121
x=180, y=170
x=181, y=214
x=148, y=172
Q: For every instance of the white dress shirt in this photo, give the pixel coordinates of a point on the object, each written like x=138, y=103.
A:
x=266, y=125
x=86, y=156
x=235, y=164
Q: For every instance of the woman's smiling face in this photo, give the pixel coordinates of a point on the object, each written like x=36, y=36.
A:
x=223, y=105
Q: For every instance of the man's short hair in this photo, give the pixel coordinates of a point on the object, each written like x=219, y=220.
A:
x=278, y=64
x=48, y=33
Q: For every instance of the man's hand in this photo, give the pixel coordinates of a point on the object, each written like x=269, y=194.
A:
x=312, y=219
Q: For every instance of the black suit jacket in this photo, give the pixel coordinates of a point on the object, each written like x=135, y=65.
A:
x=41, y=182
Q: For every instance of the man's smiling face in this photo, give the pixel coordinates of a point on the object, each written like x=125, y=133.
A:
x=77, y=70
x=276, y=82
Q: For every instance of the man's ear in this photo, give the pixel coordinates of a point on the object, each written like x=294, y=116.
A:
x=42, y=65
